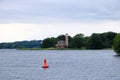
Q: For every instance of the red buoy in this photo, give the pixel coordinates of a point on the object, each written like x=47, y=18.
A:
x=45, y=65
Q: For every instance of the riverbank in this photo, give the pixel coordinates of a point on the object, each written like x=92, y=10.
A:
x=50, y=49
x=83, y=48
x=36, y=48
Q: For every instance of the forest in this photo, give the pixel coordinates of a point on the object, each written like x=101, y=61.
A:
x=21, y=44
x=95, y=41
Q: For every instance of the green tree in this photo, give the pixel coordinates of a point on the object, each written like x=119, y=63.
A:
x=116, y=45
x=70, y=39
x=96, y=41
x=53, y=41
x=78, y=41
x=61, y=37
x=46, y=43
x=87, y=42
x=49, y=42
x=107, y=38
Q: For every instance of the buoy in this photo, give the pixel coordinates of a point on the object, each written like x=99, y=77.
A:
x=45, y=65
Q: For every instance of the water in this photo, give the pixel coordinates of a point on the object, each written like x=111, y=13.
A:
x=64, y=65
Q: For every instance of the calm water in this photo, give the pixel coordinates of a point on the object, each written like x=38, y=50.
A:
x=64, y=65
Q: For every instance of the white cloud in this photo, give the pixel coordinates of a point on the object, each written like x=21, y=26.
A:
x=20, y=31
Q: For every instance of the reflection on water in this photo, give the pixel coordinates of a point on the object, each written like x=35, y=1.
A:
x=64, y=65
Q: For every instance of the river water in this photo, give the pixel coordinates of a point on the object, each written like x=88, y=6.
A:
x=64, y=65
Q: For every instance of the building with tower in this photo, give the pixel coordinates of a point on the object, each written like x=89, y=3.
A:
x=61, y=44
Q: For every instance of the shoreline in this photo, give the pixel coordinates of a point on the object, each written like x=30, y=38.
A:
x=61, y=49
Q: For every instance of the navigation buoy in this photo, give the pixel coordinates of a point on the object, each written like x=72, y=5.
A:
x=45, y=65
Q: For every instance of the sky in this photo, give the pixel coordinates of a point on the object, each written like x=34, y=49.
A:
x=38, y=19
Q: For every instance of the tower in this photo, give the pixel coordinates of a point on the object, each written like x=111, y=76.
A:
x=66, y=40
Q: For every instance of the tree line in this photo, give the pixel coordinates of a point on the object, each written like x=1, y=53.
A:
x=95, y=41
x=21, y=44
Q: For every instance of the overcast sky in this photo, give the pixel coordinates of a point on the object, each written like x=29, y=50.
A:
x=39, y=19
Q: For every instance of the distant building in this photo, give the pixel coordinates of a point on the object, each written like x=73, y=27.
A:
x=62, y=44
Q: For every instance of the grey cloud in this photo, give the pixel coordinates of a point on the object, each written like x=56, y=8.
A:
x=59, y=10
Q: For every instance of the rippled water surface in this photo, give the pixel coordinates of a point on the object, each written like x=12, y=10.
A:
x=64, y=65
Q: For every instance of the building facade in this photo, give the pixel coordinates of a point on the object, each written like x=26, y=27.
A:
x=62, y=44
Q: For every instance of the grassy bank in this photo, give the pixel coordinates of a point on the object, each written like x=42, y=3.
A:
x=83, y=48
x=50, y=49
x=29, y=48
x=36, y=49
